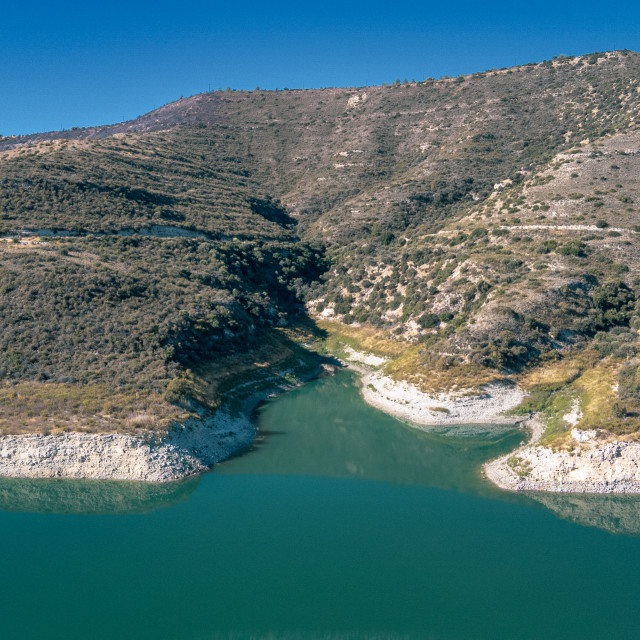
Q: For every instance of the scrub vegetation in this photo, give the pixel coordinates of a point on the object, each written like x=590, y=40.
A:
x=469, y=230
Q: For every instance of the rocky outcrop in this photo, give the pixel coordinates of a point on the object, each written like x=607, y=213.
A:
x=190, y=448
x=589, y=467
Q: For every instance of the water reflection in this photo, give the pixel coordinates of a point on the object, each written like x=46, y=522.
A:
x=91, y=497
x=618, y=514
x=326, y=429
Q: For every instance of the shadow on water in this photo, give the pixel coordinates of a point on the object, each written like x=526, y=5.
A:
x=92, y=497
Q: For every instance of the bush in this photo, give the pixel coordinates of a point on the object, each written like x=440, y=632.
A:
x=573, y=248
x=179, y=390
x=547, y=246
x=429, y=320
x=614, y=304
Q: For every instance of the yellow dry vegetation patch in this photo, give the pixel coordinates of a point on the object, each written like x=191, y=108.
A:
x=35, y=407
x=366, y=339
x=407, y=361
x=43, y=147
x=597, y=389
x=412, y=367
x=587, y=379
x=559, y=372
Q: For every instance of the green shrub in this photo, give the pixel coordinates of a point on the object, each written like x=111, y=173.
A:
x=614, y=304
x=429, y=320
x=573, y=248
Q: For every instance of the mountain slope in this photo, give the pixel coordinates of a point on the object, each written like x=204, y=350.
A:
x=487, y=221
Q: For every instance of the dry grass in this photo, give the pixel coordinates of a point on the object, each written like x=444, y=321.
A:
x=558, y=373
x=407, y=361
x=597, y=390
x=33, y=407
x=54, y=408
x=412, y=367
x=586, y=378
x=379, y=343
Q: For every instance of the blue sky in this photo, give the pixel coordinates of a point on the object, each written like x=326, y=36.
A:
x=70, y=64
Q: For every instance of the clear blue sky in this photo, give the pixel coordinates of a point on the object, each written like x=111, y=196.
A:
x=67, y=64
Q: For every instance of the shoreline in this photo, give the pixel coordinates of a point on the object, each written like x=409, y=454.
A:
x=406, y=402
x=589, y=467
x=190, y=448
x=195, y=446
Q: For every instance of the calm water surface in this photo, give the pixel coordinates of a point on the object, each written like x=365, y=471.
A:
x=340, y=523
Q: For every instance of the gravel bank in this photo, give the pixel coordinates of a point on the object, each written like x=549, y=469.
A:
x=191, y=448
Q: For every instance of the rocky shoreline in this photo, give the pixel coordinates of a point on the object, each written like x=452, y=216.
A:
x=588, y=467
x=405, y=401
x=189, y=448
x=193, y=447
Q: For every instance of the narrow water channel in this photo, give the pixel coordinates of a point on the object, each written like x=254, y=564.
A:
x=341, y=522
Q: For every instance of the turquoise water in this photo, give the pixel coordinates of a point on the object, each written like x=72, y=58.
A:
x=340, y=523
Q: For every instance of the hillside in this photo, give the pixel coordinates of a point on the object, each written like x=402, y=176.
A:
x=487, y=223
x=126, y=262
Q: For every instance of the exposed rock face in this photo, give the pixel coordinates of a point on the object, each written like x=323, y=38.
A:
x=610, y=467
x=190, y=448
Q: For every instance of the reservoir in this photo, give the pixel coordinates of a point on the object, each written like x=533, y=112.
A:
x=340, y=523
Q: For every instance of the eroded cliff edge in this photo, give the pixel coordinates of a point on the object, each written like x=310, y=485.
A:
x=207, y=437
x=584, y=466
x=189, y=449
